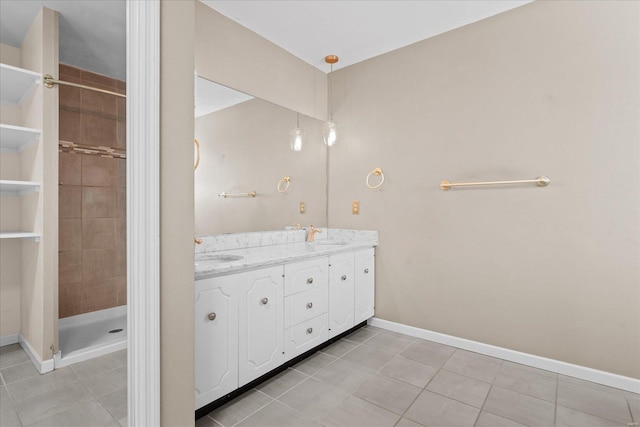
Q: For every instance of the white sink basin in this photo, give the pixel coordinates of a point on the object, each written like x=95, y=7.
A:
x=215, y=259
x=330, y=243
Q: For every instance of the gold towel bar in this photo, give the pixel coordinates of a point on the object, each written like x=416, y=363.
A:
x=375, y=172
x=197, y=162
x=541, y=181
x=283, y=184
x=49, y=81
x=249, y=194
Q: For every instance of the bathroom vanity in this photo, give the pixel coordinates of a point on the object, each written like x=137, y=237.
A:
x=263, y=299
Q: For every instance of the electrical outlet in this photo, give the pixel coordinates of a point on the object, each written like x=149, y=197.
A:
x=302, y=208
x=355, y=207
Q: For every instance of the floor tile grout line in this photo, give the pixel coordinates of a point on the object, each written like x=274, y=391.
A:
x=291, y=388
x=235, y=424
x=425, y=386
x=483, y=403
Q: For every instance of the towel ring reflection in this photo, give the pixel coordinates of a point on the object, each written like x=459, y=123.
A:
x=195, y=166
x=283, y=184
x=375, y=172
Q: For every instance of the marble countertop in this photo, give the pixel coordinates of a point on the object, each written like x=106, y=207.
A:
x=231, y=259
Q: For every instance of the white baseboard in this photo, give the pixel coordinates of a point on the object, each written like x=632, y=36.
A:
x=576, y=371
x=9, y=339
x=42, y=366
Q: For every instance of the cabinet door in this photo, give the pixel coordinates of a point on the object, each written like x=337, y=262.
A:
x=261, y=328
x=341, y=272
x=364, y=285
x=216, y=340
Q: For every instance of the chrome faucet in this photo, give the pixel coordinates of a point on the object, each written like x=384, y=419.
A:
x=312, y=233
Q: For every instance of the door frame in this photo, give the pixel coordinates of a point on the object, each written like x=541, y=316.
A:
x=143, y=211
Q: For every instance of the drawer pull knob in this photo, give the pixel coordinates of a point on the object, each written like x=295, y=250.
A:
x=310, y=280
x=212, y=316
x=310, y=330
x=264, y=301
x=366, y=271
x=343, y=278
x=309, y=305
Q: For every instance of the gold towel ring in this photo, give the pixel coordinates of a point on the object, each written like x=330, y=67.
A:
x=376, y=172
x=283, y=184
x=195, y=166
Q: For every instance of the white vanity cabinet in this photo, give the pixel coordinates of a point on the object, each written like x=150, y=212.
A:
x=260, y=326
x=250, y=323
x=216, y=329
x=364, y=293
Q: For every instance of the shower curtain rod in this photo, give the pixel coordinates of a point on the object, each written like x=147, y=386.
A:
x=101, y=151
x=49, y=81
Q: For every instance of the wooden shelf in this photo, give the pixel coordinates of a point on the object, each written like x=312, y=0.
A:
x=16, y=83
x=19, y=235
x=18, y=188
x=17, y=138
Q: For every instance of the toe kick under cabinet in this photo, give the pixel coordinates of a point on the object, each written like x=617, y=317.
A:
x=249, y=323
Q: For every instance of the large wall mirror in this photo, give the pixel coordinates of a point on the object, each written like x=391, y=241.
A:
x=244, y=148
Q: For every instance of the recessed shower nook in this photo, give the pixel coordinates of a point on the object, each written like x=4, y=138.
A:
x=62, y=210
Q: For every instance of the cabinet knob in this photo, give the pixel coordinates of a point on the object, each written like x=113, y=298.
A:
x=366, y=270
x=310, y=280
x=264, y=300
x=212, y=316
x=310, y=330
x=343, y=278
x=309, y=305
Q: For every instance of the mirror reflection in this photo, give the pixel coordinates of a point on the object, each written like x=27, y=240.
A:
x=246, y=147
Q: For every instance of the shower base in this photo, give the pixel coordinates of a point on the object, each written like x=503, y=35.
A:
x=90, y=335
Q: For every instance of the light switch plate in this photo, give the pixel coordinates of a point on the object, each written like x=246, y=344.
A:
x=355, y=207
x=302, y=209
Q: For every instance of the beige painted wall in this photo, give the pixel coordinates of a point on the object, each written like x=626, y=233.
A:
x=550, y=88
x=10, y=249
x=176, y=212
x=232, y=55
x=246, y=148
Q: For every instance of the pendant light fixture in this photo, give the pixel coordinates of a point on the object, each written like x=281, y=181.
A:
x=330, y=126
x=296, y=135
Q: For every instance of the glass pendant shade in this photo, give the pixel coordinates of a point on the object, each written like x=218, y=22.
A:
x=295, y=138
x=330, y=134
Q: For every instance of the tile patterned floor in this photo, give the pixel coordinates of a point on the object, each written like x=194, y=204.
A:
x=378, y=378
x=371, y=378
x=91, y=393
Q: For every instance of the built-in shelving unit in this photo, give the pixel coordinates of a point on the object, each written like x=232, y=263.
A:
x=17, y=138
x=15, y=86
x=29, y=191
x=18, y=188
x=16, y=83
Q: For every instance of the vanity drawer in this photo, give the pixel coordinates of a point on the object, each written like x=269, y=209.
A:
x=306, y=275
x=305, y=305
x=305, y=336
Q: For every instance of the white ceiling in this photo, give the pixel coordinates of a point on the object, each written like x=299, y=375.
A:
x=92, y=32
x=354, y=30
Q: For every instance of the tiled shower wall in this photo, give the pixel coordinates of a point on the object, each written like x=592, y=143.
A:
x=92, y=242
